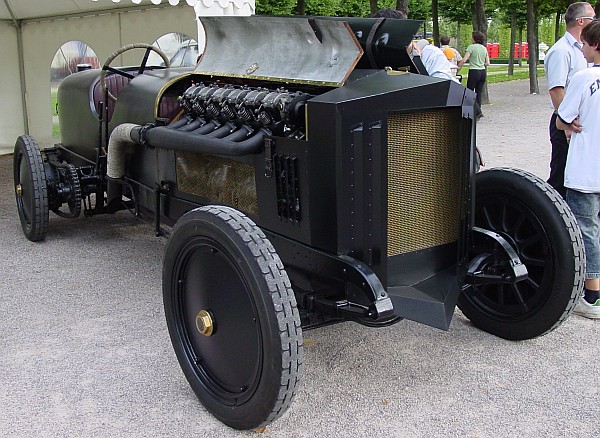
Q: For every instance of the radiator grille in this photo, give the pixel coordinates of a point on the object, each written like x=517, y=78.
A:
x=424, y=180
x=287, y=185
x=221, y=180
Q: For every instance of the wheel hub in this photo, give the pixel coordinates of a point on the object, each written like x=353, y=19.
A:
x=205, y=323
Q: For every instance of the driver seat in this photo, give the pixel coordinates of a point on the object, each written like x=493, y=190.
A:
x=114, y=84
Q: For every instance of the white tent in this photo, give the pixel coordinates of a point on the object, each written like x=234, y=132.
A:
x=31, y=31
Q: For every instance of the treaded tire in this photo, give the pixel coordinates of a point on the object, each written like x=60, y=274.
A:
x=31, y=192
x=538, y=223
x=246, y=372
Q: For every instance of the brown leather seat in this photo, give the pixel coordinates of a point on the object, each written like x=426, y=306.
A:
x=114, y=83
x=169, y=107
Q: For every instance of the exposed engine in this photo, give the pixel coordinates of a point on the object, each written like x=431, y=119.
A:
x=237, y=112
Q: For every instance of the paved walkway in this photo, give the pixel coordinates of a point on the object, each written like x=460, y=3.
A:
x=84, y=349
x=514, y=129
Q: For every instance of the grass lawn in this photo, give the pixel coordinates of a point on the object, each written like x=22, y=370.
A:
x=499, y=73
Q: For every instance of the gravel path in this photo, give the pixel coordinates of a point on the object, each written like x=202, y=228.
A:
x=84, y=350
x=514, y=130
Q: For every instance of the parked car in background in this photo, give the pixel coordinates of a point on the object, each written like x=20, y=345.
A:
x=186, y=55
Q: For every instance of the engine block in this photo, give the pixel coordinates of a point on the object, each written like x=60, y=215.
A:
x=280, y=111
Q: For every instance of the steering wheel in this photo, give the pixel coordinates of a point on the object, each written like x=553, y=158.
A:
x=107, y=68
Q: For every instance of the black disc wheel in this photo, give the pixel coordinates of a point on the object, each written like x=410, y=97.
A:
x=31, y=192
x=232, y=317
x=539, y=225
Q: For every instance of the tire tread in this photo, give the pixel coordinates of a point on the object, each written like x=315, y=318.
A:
x=282, y=297
x=38, y=226
x=574, y=234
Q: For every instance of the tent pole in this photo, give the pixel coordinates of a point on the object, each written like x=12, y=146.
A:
x=22, y=74
x=18, y=26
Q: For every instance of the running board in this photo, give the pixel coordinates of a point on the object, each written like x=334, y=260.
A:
x=431, y=301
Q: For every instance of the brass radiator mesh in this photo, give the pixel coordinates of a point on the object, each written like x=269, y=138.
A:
x=424, y=180
x=222, y=180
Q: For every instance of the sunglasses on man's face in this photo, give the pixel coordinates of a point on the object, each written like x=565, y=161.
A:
x=587, y=18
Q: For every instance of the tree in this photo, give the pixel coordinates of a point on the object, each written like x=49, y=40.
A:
x=436, y=24
x=535, y=10
x=480, y=24
x=560, y=6
x=513, y=13
x=511, y=52
x=479, y=16
x=275, y=7
x=532, y=42
x=374, y=7
x=457, y=12
x=402, y=5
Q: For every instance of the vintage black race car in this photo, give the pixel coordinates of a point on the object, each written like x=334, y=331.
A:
x=311, y=174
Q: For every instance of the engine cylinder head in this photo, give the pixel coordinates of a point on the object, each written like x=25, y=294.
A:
x=279, y=110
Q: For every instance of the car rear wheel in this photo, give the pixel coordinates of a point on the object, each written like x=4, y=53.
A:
x=31, y=192
x=539, y=225
x=232, y=317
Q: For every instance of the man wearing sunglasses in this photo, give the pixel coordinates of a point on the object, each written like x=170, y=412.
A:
x=562, y=61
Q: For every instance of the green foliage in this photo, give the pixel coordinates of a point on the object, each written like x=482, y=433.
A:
x=418, y=9
x=455, y=11
x=451, y=13
x=275, y=7
x=349, y=8
x=326, y=7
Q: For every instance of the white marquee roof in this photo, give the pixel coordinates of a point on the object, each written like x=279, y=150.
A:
x=32, y=30
x=27, y=9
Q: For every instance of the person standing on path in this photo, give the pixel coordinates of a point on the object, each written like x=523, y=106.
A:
x=562, y=61
x=451, y=53
x=578, y=112
x=478, y=58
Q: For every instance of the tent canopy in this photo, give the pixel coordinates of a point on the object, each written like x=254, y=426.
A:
x=32, y=31
x=27, y=9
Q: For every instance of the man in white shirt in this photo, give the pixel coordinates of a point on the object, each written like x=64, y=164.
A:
x=582, y=177
x=563, y=60
x=434, y=60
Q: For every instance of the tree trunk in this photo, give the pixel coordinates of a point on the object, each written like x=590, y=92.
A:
x=532, y=41
x=479, y=18
x=436, y=24
x=557, y=34
x=520, y=47
x=402, y=6
x=458, y=47
x=374, y=7
x=300, y=7
x=480, y=24
x=513, y=37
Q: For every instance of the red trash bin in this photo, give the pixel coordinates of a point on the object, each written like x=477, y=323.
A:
x=525, y=48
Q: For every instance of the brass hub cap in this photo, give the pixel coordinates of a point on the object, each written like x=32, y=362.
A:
x=205, y=323
x=19, y=190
